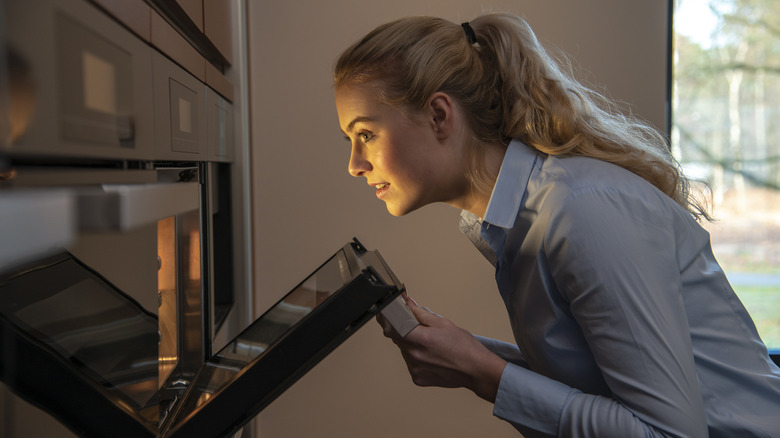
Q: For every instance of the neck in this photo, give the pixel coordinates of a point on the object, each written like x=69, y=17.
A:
x=477, y=200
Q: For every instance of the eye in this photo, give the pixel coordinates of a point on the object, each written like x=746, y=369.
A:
x=366, y=136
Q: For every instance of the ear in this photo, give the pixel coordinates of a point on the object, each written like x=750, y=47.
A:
x=441, y=114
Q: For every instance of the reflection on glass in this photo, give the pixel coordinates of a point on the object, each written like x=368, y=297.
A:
x=93, y=326
x=99, y=83
x=190, y=302
x=18, y=104
x=166, y=290
x=269, y=328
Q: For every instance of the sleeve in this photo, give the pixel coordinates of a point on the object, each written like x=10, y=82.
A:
x=614, y=262
x=504, y=350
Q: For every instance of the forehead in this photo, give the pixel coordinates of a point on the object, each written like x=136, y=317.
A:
x=358, y=101
x=356, y=96
x=365, y=101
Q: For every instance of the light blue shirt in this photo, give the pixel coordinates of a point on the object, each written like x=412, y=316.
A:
x=625, y=324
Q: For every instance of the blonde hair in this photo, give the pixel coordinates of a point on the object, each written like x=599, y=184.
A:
x=509, y=87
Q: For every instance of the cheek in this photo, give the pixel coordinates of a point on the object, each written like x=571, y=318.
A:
x=404, y=159
x=412, y=178
x=398, y=166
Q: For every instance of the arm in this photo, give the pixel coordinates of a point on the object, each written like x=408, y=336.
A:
x=504, y=350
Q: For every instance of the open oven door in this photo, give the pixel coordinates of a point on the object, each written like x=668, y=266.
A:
x=81, y=349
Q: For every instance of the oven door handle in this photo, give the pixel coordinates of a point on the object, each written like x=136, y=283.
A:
x=114, y=207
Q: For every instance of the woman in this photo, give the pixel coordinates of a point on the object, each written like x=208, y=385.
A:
x=625, y=324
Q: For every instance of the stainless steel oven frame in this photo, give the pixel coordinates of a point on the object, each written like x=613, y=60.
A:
x=130, y=225
x=105, y=142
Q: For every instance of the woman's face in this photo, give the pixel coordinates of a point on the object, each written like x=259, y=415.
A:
x=403, y=157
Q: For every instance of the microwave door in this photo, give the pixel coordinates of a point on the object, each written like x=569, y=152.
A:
x=283, y=344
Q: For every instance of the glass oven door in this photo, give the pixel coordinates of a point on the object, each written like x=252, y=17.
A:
x=88, y=353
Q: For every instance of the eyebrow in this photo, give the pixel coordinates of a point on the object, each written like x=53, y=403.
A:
x=358, y=120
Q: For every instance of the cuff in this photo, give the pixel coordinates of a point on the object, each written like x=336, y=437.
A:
x=531, y=401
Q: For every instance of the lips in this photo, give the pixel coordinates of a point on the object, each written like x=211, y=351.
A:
x=381, y=188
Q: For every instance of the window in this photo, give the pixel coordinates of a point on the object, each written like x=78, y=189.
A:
x=726, y=132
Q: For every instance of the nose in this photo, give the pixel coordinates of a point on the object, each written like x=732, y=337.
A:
x=358, y=164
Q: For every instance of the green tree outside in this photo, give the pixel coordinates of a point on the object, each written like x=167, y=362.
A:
x=725, y=132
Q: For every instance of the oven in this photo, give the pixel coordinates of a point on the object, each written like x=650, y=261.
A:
x=119, y=192
x=124, y=297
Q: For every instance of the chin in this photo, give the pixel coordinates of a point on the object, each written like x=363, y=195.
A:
x=399, y=211
x=396, y=213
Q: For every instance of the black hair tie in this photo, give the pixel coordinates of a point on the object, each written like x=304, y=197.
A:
x=472, y=37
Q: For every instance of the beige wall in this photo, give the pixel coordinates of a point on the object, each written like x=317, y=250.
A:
x=306, y=206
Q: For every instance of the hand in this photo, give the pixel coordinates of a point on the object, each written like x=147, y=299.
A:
x=439, y=353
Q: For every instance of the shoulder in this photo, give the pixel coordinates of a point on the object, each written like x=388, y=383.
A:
x=584, y=174
x=591, y=187
x=587, y=197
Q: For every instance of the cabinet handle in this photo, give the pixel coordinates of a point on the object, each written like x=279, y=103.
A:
x=125, y=127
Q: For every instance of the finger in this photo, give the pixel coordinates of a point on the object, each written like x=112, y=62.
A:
x=411, y=300
x=387, y=328
x=423, y=314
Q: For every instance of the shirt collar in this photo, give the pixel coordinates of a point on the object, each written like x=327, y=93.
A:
x=511, y=184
